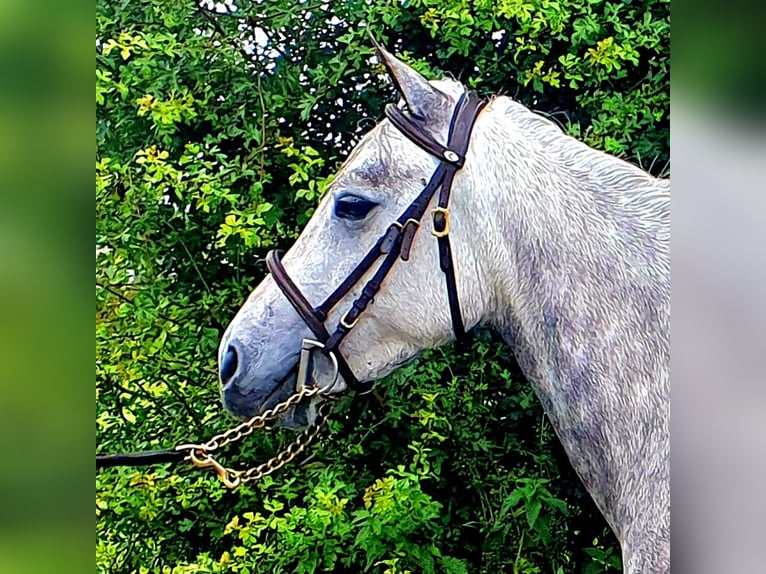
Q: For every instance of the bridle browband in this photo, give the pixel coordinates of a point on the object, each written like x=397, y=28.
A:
x=395, y=243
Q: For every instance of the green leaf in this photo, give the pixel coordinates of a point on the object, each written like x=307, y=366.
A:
x=128, y=415
x=533, y=510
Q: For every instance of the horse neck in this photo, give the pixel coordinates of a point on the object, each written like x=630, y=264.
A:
x=580, y=274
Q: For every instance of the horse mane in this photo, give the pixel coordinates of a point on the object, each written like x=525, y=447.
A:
x=618, y=189
x=551, y=135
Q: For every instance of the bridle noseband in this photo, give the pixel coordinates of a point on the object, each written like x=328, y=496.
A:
x=394, y=244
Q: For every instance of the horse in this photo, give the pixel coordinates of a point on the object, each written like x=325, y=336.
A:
x=562, y=249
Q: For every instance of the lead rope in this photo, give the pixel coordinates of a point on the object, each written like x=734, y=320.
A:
x=201, y=455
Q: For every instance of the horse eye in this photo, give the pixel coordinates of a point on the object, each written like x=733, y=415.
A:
x=353, y=207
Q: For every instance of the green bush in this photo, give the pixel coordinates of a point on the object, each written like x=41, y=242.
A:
x=213, y=147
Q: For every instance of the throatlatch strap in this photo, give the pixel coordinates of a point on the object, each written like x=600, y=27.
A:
x=445, y=262
x=459, y=136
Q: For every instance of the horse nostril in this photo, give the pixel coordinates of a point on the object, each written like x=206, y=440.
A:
x=228, y=364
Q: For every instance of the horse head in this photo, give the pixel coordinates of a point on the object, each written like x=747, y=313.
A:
x=260, y=352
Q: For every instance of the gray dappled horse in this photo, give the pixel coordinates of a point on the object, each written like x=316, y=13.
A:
x=562, y=249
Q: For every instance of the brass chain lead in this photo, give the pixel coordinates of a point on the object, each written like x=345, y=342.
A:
x=201, y=455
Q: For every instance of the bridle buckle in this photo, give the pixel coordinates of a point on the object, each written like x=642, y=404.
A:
x=445, y=213
x=348, y=325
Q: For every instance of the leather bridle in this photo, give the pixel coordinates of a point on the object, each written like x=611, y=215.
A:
x=394, y=244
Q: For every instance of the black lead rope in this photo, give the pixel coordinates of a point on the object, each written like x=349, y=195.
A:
x=139, y=458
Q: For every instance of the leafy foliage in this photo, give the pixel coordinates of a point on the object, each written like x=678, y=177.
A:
x=218, y=128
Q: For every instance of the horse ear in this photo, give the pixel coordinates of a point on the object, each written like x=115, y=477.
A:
x=423, y=100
